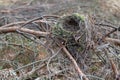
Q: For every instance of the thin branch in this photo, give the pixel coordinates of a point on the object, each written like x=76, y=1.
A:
x=20, y=23
x=43, y=60
x=104, y=24
x=53, y=74
x=75, y=64
x=25, y=76
x=109, y=25
x=54, y=55
x=114, y=41
x=39, y=18
x=114, y=68
x=15, y=28
x=29, y=21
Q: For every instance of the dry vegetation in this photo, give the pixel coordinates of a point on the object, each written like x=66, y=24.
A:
x=45, y=40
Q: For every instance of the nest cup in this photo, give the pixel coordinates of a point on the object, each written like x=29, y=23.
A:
x=71, y=28
x=71, y=22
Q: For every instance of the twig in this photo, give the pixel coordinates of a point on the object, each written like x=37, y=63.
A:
x=109, y=25
x=43, y=60
x=98, y=78
x=44, y=63
x=15, y=28
x=114, y=68
x=29, y=21
x=39, y=18
x=30, y=72
x=51, y=59
x=19, y=23
x=114, y=30
x=114, y=41
x=53, y=74
x=75, y=64
x=103, y=24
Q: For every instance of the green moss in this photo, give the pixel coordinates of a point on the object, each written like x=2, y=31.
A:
x=60, y=32
x=81, y=17
x=67, y=25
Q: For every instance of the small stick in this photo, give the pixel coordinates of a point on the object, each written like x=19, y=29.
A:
x=15, y=28
x=39, y=18
x=114, y=68
x=75, y=64
x=114, y=41
x=108, y=25
x=114, y=30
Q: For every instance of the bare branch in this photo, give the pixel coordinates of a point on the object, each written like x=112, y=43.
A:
x=115, y=70
x=114, y=41
x=15, y=28
x=75, y=64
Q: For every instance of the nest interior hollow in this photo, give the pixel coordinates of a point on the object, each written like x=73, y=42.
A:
x=71, y=23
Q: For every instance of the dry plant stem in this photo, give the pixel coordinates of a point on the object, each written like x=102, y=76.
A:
x=25, y=76
x=39, y=18
x=29, y=21
x=43, y=64
x=111, y=32
x=103, y=24
x=54, y=55
x=20, y=22
x=15, y=28
x=75, y=64
x=114, y=68
x=42, y=61
x=114, y=41
x=52, y=74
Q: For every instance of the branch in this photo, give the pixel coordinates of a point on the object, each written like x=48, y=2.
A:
x=75, y=63
x=114, y=41
x=39, y=19
x=15, y=28
x=114, y=68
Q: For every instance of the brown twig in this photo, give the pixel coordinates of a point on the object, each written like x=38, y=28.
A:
x=75, y=64
x=114, y=30
x=15, y=28
x=39, y=18
x=29, y=21
x=19, y=23
x=109, y=25
x=114, y=41
x=114, y=68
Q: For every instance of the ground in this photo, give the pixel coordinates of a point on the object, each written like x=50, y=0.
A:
x=22, y=54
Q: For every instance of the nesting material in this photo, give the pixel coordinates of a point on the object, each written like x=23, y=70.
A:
x=71, y=29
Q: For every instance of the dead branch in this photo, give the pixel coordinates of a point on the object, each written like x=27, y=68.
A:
x=15, y=28
x=75, y=64
x=114, y=68
x=39, y=19
x=114, y=41
x=20, y=22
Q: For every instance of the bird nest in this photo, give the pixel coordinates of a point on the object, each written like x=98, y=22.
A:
x=71, y=30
